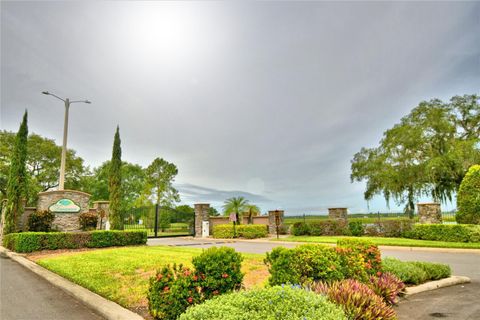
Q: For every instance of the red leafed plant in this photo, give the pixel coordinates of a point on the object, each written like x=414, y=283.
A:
x=357, y=300
x=387, y=286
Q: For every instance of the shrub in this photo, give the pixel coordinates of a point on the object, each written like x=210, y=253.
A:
x=445, y=232
x=248, y=231
x=387, y=286
x=172, y=291
x=220, y=270
x=369, y=251
x=270, y=303
x=36, y=241
x=468, y=197
x=88, y=221
x=357, y=300
x=303, y=264
x=414, y=272
x=320, y=228
x=40, y=221
x=356, y=228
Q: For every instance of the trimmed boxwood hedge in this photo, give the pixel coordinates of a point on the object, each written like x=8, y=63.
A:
x=445, y=232
x=36, y=241
x=248, y=231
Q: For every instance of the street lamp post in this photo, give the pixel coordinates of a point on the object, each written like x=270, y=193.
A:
x=67, y=102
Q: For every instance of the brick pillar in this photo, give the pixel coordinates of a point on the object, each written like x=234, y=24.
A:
x=272, y=227
x=103, y=212
x=201, y=214
x=429, y=213
x=338, y=214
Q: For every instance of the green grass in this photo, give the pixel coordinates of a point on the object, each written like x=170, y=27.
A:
x=388, y=242
x=122, y=274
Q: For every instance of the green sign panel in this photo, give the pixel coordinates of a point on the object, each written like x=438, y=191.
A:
x=64, y=206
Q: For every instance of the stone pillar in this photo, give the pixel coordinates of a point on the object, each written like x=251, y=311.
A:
x=102, y=208
x=67, y=206
x=272, y=226
x=201, y=214
x=429, y=213
x=338, y=214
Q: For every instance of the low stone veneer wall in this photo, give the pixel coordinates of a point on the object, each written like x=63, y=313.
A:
x=64, y=221
x=429, y=213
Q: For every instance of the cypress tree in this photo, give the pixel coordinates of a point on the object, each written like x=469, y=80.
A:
x=115, y=184
x=17, y=179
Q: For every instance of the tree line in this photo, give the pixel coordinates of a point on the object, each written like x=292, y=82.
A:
x=426, y=154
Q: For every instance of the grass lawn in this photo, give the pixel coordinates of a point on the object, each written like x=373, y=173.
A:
x=122, y=274
x=388, y=242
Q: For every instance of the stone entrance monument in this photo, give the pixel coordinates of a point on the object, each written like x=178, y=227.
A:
x=67, y=205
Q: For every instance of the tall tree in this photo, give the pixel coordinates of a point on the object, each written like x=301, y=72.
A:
x=43, y=162
x=133, y=178
x=426, y=154
x=115, y=184
x=17, y=179
x=160, y=175
x=235, y=205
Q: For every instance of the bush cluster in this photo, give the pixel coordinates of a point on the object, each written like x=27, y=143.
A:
x=247, y=231
x=173, y=289
x=468, y=197
x=357, y=300
x=445, y=232
x=388, y=286
x=36, y=241
x=320, y=228
x=270, y=303
x=40, y=221
x=88, y=221
x=305, y=264
x=415, y=272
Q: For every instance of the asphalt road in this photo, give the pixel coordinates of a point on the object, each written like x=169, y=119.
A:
x=26, y=296
x=461, y=302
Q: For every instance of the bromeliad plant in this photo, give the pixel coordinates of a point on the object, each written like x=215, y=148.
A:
x=387, y=286
x=357, y=300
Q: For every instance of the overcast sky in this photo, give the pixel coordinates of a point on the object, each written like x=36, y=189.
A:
x=266, y=100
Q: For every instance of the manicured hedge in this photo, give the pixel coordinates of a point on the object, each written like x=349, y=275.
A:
x=264, y=304
x=445, y=232
x=247, y=231
x=468, y=197
x=416, y=272
x=36, y=241
x=320, y=228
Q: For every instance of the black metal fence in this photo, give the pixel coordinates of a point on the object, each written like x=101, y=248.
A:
x=160, y=221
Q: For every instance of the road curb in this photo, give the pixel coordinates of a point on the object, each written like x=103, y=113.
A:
x=432, y=285
x=106, y=308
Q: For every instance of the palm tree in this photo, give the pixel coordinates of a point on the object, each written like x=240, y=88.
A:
x=235, y=205
x=253, y=211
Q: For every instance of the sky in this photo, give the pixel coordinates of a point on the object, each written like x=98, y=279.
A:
x=266, y=100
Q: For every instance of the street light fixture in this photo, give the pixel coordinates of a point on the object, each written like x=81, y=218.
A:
x=67, y=103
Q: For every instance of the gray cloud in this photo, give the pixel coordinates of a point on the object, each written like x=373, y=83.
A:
x=270, y=98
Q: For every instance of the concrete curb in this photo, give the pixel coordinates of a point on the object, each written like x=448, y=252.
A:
x=432, y=285
x=106, y=308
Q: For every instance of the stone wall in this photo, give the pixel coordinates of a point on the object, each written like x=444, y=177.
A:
x=429, y=213
x=23, y=223
x=272, y=226
x=338, y=213
x=201, y=214
x=67, y=221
